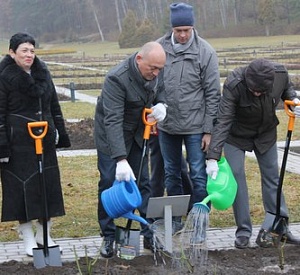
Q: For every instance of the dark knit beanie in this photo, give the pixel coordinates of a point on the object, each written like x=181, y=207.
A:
x=20, y=38
x=181, y=15
x=260, y=75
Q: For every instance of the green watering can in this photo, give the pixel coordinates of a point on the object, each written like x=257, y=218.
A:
x=222, y=190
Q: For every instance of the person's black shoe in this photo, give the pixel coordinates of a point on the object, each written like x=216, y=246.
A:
x=148, y=244
x=264, y=239
x=241, y=242
x=107, y=250
x=290, y=238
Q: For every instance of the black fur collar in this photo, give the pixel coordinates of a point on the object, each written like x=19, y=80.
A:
x=15, y=77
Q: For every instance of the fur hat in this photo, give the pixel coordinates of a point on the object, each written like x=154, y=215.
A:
x=181, y=15
x=260, y=75
x=20, y=38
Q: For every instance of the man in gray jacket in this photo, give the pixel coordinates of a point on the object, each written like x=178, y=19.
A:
x=192, y=85
x=247, y=121
x=128, y=88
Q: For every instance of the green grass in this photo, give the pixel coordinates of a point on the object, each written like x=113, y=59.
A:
x=254, y=42
x=77, y=110
x=94, y=93
x=96, y=49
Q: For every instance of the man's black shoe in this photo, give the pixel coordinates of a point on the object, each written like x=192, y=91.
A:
x=148, y=244
x=241, y=242
x=264, y=239
x=290, y=238
x=107, y=250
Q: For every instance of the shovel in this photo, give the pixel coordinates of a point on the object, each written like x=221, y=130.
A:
x=126, y=238
x=280, y=222
x=46, y=255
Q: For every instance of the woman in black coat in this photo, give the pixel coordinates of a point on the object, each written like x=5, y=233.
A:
x=27, y=94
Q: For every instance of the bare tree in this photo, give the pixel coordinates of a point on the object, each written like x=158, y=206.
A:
x=91, y=2
x=223, y=4
x=145, y=9
x=266, y=14
x=118, y=16
x=237, y=11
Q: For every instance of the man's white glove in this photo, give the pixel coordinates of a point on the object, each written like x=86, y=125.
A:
x=4, y=160
x=296, y=100
x=297, y=108
x=297, y=111
x=124, y=171
x=212, y=168
x=159, y=112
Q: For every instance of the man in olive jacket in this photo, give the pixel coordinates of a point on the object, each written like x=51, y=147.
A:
x=129, y=87
x=247, y=121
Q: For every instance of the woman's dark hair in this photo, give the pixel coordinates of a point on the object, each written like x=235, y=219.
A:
x=20, y=38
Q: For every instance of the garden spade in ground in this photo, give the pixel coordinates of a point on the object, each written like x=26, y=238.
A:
x=280, y=225
x=46, y=256
x=120, y=201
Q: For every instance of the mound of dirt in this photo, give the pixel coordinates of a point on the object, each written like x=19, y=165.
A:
x=81, y=134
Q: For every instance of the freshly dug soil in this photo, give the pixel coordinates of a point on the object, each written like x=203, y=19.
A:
x=251, y=261
x=81, y=134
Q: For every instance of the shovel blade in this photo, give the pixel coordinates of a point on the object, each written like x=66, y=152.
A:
x=127, y=242
x=40, y=260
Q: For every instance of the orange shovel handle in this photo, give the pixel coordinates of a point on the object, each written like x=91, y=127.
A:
x=290, y=113
x=148, y=124
x=38, y=138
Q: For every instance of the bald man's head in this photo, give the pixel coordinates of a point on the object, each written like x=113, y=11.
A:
x=151, y=59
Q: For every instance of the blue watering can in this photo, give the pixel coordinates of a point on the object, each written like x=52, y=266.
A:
x=122, y=199
x=222, y=190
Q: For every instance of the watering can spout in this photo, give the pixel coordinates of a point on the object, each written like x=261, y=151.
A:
x=132, y=216
x=203, y=206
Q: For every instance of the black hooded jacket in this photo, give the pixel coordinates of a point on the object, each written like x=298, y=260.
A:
x=247, y=121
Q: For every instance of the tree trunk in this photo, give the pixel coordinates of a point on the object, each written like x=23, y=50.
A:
x=267, y=30
x=223, y=13
x=118, y=16
x=97, y=21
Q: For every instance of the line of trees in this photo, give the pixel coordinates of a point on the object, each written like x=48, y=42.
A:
x=75, y=20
